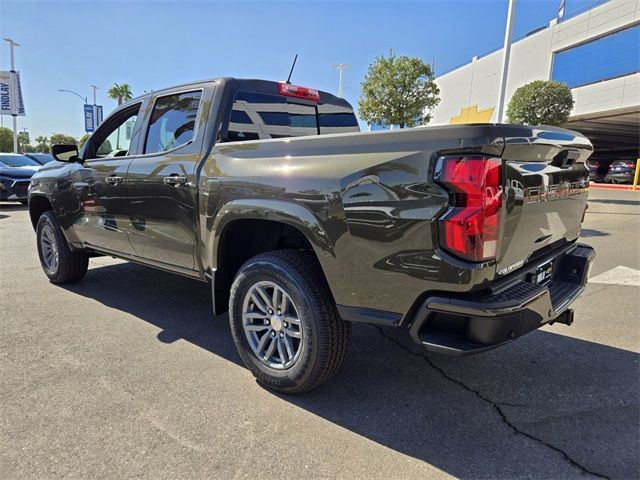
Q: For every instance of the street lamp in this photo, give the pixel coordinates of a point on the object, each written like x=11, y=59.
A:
x=84, y=99
x=340, y=67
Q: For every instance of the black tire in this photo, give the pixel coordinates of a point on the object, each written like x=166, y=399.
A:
x=326, y=337
x=70, y=266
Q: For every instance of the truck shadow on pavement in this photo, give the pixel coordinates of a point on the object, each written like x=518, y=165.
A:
x=546, y=406
x=590, y=232
x=11, y=207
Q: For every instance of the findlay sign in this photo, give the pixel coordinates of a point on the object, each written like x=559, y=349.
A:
x=11, y=102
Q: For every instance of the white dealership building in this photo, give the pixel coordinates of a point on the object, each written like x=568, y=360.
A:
x=596, y=52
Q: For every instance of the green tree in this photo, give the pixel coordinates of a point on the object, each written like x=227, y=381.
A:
x=120, y=93
x=62, y=139
x=23, y=143
x=398, y=90
x=83, y=139
x=541, y=102
x=42, y=144
x=6, y=140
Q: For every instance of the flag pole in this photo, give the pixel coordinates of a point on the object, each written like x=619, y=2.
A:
x=14, y=93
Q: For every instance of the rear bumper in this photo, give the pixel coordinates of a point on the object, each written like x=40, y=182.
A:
x=463, y=324
x=620, y=177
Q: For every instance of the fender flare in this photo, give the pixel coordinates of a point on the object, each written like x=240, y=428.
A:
x=290, y=213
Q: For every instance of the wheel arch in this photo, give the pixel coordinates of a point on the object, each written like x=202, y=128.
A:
x=245, y=228
x=38, y=204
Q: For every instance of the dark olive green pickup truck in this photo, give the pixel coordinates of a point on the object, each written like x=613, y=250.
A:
x=463, y=237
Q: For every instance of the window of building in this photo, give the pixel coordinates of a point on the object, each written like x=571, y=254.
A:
x=172, y=121
x=608, y=57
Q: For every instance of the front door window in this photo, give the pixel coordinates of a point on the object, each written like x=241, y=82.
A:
x=114, y=140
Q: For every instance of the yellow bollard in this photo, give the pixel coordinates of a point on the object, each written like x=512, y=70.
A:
x=635, y=176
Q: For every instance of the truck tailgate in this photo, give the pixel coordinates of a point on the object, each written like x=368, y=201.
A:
x=546, y=184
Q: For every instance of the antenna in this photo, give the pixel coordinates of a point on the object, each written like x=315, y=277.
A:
x=292, y=67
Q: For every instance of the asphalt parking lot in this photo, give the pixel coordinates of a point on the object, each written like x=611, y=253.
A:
x=127, y=374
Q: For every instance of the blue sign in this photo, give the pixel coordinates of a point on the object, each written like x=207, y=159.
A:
x=98, y=115
x=89, y=119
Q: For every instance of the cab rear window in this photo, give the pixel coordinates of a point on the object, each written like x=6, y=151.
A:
x=257, y=115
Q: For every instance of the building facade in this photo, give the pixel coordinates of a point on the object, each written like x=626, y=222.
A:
x=596, y=53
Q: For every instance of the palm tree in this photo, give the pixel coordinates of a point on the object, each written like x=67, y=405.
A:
x=42, y=144
x=121, y=93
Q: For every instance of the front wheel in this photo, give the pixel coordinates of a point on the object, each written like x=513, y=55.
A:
x=59, y=263
x=284, y=322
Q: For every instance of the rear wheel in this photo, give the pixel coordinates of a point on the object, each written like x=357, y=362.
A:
x=284, y=321
x=59, y=263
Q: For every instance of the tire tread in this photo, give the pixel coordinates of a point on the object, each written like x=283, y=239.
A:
x=332, y=349
x=72, y=266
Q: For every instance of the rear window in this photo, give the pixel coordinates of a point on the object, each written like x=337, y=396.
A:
x=257, y=115
x=336, y=119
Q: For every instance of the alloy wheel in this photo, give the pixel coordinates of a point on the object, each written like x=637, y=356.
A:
x=271, y=323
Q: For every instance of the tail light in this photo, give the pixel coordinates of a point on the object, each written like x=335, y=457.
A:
x=298, y=92
x=471, y=227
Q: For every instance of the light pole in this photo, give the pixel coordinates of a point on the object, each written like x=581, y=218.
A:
x=25, y=136
x=14, y=103
x=84, y=99
x=95, y=108
x=94, y=94
x=511, y=14
x=341, y=67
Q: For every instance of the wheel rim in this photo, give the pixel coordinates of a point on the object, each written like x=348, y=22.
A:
x=271, y=323
x=49, y=248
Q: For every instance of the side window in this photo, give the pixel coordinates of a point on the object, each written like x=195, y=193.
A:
x=115, y=139
x=172, y=121
x=261, y=115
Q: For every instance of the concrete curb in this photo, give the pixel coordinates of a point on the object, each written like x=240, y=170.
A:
x=611, y=186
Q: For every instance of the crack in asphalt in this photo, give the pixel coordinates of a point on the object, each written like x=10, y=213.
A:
x=497, y=406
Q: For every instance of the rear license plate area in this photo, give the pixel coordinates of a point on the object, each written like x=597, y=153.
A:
x=543, y=274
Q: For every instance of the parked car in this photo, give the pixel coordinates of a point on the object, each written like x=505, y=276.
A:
x=621, y=171
x=16, y=171
x=597, y=170
x=464, y=237
x=41, y=158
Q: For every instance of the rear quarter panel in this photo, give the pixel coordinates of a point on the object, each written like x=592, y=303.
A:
x=365, y=201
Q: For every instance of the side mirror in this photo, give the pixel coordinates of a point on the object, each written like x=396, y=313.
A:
x=65, y=153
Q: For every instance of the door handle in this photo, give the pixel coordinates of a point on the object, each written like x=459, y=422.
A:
x=175, y=179
x=113, y=180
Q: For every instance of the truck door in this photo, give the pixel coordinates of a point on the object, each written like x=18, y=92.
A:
x=103, y=216
x=161, y=181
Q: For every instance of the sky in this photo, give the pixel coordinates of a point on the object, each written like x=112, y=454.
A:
x=155, y=44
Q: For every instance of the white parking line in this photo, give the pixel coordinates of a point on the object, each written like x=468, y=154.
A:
x=619, y=275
